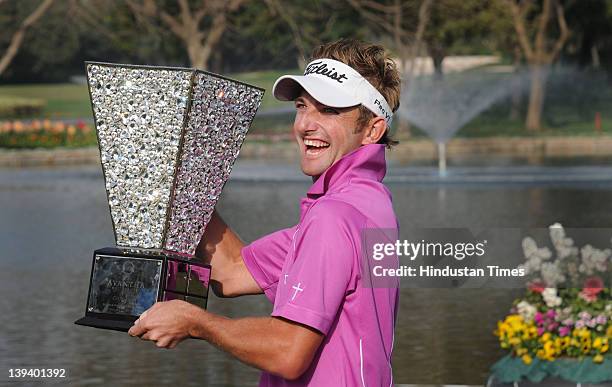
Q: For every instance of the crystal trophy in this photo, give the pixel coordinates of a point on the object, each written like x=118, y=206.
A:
x=168, y=138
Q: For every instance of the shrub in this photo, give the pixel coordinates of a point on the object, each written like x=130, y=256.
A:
x=16, y=107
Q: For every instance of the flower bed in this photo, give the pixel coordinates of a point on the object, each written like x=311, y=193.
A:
x=45, y=134
x=566, y=312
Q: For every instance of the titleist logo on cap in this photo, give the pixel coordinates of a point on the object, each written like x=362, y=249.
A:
x=321, y=68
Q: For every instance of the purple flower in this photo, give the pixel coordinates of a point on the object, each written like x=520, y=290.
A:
x=541, y=331
x=538, y=317
x=564, y=331
x=550, y=313
x=568, y=321
x=601, y=319
x=584, y=315
x=579, y=324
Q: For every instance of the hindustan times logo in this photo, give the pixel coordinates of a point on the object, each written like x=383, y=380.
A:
x=413, y=250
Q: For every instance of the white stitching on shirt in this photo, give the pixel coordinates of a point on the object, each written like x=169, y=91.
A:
x=361, y=362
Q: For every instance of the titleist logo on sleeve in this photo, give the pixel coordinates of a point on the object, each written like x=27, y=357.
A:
x=322, y=69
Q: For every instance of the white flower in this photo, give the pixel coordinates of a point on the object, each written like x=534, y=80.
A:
x=534, y=255
x=550, y=297
x=565, y=315
x=564, y=246
x=551, y=274
x=594, y=260
x=526, y=310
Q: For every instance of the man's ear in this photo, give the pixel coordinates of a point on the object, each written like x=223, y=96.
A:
x=374, y=131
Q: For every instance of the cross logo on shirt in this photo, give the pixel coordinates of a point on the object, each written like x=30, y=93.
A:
x=297, y=289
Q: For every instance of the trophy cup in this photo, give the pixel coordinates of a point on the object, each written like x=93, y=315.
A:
x=168, y=138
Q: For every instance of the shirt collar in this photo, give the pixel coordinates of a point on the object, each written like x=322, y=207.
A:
x=367, y=161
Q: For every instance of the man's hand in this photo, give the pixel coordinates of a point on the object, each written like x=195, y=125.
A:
x=276, y=345
x=166, y=323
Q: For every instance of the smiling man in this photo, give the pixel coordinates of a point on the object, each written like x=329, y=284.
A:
x=327, y=328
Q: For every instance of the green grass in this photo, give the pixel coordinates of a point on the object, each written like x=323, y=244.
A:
x=66, y=100
x=62, y=100
x=569, y=109
x=265, y=79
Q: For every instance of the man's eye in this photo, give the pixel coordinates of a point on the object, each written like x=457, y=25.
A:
x=299, y=105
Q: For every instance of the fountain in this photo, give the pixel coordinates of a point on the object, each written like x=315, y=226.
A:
x=442, y=106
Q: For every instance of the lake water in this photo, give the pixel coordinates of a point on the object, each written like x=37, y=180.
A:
x=51, y=220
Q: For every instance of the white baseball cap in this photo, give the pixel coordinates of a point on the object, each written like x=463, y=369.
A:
x=334, y=84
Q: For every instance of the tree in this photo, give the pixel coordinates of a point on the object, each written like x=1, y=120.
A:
x=109, y=30
x=200, y=29
x=461, y=27
x=396, y=20
x=312, y=22
x=19, y=34
x=591, y=41
x=537, y=48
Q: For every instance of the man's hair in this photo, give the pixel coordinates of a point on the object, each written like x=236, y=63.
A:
x=373, y=62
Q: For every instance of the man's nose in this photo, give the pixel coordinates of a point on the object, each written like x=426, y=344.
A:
x=307, y=121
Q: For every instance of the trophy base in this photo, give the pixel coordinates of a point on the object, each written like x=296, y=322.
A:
x=126, y=282
x=114, y=325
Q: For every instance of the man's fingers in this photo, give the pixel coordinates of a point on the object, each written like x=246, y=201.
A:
x=163, y=343
x=137, y=330
x=150, y=336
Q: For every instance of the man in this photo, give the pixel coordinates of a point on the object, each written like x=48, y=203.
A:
x=327, y=327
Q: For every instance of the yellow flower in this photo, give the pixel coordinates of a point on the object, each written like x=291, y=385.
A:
x=565, y=342
x=598, y=358
x=526, y=359
x=549, y=350
x=597, y=343
x=533, y=332
x=521, y=351
x=585, y=341
x=545, y=337
x=514, y=318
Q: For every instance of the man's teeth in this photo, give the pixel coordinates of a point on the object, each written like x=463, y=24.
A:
x=316, y=143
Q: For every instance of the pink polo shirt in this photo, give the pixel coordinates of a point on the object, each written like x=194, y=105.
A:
x=312, y=274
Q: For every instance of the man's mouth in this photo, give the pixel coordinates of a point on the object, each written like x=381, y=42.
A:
x=315, y=147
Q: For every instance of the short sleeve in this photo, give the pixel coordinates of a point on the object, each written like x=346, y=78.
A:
x=324, y=269
x=264, y=258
